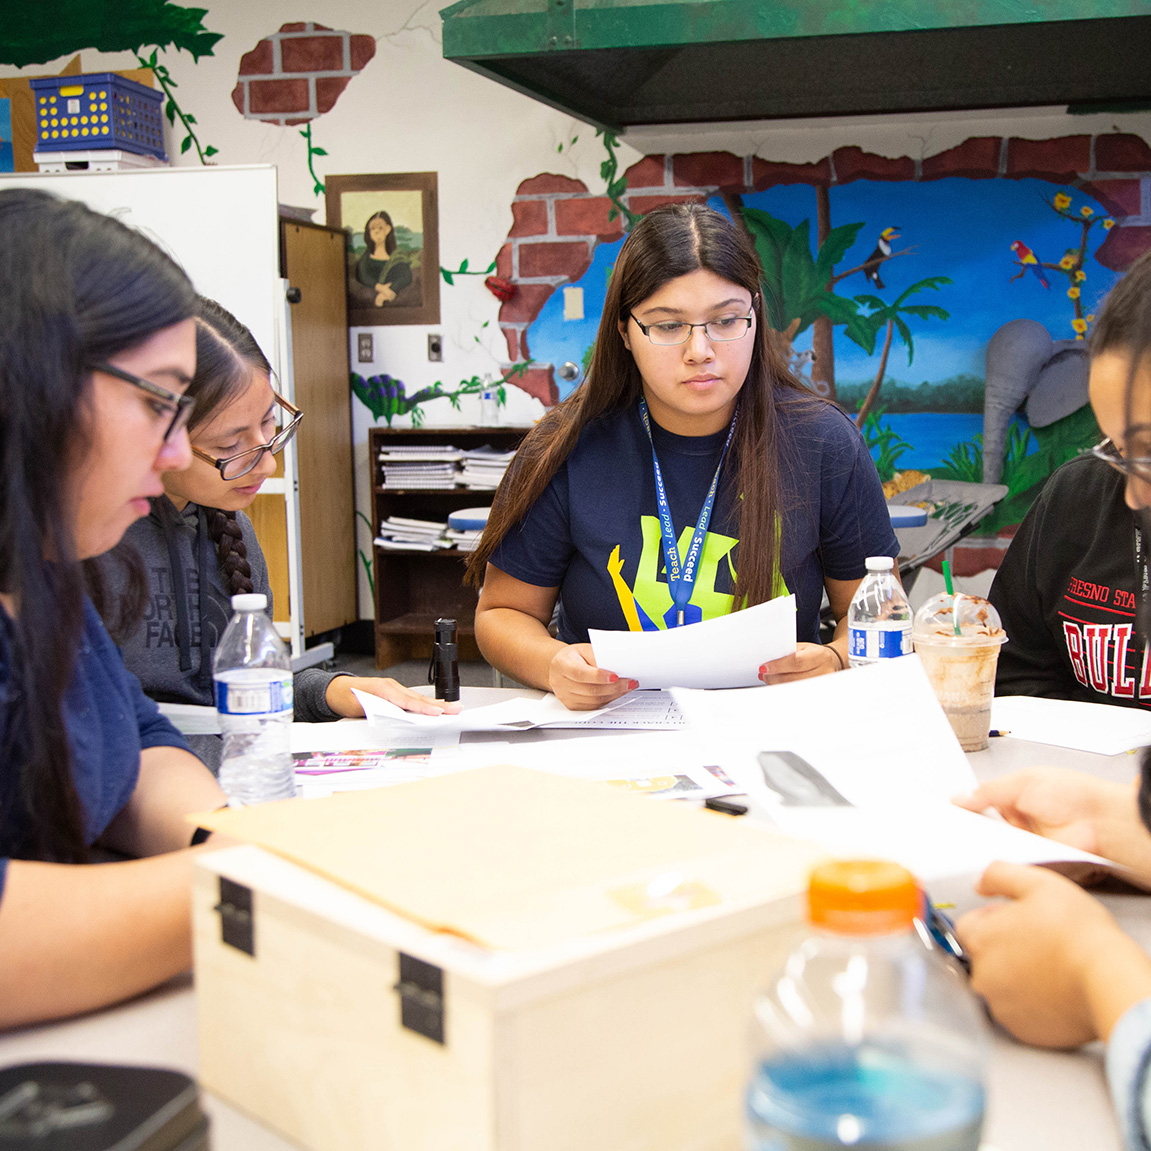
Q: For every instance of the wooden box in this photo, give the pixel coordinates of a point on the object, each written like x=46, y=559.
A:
x=351, y=1027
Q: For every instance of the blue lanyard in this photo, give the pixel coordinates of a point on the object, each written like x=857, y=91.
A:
x=681, y=577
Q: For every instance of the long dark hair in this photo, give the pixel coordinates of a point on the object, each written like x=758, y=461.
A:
x=669, y=242
x=76, y=287
x=389, y=240
x=1123, y=325
x=227, y=356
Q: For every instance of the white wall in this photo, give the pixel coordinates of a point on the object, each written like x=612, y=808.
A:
x=410, y=110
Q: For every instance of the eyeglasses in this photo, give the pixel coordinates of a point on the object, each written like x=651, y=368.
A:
x=1139, y=467
x=667, y=333
x=233, y=467
x=173, y=406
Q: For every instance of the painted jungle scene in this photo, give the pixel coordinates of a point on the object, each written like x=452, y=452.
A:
x=948, y=318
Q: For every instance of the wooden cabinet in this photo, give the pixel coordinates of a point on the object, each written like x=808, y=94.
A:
x=413, y=588
x=306, y=519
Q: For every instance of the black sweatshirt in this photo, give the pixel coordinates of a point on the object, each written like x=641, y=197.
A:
x=1066, y=594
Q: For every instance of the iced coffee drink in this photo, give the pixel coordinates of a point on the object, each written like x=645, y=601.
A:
x=958, y=637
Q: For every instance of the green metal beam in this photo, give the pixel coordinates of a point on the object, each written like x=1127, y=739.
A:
x=479, y=28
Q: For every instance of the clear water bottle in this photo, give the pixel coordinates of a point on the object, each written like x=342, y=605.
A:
x=868, y=1037
x=489, y=404
x=253, y=676
x=879, y=617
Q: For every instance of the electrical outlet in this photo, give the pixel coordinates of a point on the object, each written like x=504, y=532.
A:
x=364, y=352
x=436, y=348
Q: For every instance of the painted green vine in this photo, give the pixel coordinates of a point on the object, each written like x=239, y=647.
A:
x=313, y=151
x=463, y=270
x=385, y=396
x=616, y=184
x=363, y=557
x=173, y=110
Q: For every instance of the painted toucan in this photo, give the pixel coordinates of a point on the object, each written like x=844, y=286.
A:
x=882, y=251
x=1028, y=259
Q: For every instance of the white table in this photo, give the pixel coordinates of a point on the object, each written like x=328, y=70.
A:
x=1038, y=1100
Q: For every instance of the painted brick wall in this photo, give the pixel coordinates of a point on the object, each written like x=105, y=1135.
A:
x=557, y=222
x=298, y=72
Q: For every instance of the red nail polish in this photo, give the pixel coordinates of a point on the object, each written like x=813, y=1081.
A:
x=614, y=678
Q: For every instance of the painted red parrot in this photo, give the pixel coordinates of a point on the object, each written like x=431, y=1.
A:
x=1028, y=259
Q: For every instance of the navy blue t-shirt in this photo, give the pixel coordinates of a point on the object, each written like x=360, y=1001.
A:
x=594, y=532
x=109, y=722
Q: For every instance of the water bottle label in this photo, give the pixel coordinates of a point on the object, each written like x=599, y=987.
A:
x=879, y=641
x=267, y=697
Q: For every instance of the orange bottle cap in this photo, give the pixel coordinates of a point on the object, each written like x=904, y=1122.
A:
x=863, y=897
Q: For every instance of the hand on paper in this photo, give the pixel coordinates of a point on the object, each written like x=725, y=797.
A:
x=340, y=699
x=1071, y=807
x=807, y=660
x=1052, y=964
x=581, y=686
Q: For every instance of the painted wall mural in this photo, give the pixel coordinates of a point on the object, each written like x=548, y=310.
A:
x=887, y=281
x=298, y=73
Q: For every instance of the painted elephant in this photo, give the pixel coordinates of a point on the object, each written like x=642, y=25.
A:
x=1025, y=364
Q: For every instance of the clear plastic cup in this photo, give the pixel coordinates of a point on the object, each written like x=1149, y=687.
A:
x=958, y=639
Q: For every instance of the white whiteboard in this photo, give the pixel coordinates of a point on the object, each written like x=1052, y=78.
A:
x=220, y=224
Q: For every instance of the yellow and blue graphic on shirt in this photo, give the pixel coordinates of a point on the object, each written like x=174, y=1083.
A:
x=647, y=605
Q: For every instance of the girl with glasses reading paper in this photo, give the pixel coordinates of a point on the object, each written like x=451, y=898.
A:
x=1053, y=965
x=1070, y=583
x=198, y=548
x=689, y=443
x=97, y=348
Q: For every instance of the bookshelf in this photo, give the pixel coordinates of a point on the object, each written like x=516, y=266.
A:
x=414, y=588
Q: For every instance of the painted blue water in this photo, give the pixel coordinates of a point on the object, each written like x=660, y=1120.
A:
x=932, y=435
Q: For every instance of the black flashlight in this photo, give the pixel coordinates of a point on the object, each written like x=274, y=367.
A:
x=444, y=670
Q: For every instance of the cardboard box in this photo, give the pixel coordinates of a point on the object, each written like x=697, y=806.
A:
x=620, y=1024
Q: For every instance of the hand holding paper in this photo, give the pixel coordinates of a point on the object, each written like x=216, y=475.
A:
x=723, y=652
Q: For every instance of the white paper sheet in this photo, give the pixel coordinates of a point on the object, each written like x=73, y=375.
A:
x=358, y=734
x=937, y=841
x=192, y=718
x=1100, y=727
x=718, y=653
x=877, y=734
x=511, y=714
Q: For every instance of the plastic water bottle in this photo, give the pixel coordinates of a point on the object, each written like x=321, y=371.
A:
x=879, y=617
x=489, y=404
x=868, y=1037
x=253, y=677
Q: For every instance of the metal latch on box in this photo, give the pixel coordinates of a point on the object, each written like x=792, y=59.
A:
x=237, y=925
x=421, y=992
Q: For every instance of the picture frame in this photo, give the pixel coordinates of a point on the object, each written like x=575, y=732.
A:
x=393, y=276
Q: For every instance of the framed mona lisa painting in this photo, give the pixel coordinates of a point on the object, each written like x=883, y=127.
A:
x=392, y=224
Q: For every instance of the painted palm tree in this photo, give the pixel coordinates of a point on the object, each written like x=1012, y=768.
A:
x=795, y=283
x=892, y=315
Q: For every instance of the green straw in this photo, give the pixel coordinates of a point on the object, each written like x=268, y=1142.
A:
x=951, y=592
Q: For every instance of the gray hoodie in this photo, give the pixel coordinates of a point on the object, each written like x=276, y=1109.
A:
x=186, y=605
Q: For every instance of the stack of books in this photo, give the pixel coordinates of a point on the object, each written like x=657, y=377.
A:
x=483, y=468
x=464, y=541
x=404, y=535
x=415, y=466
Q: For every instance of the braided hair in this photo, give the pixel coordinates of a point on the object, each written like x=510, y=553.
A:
x=231, y=550
x=227, y=356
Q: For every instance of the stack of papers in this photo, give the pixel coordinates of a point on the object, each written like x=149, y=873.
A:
x=400, y=534
x=483, y=468
x=464, y=541
x=1105, y=729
